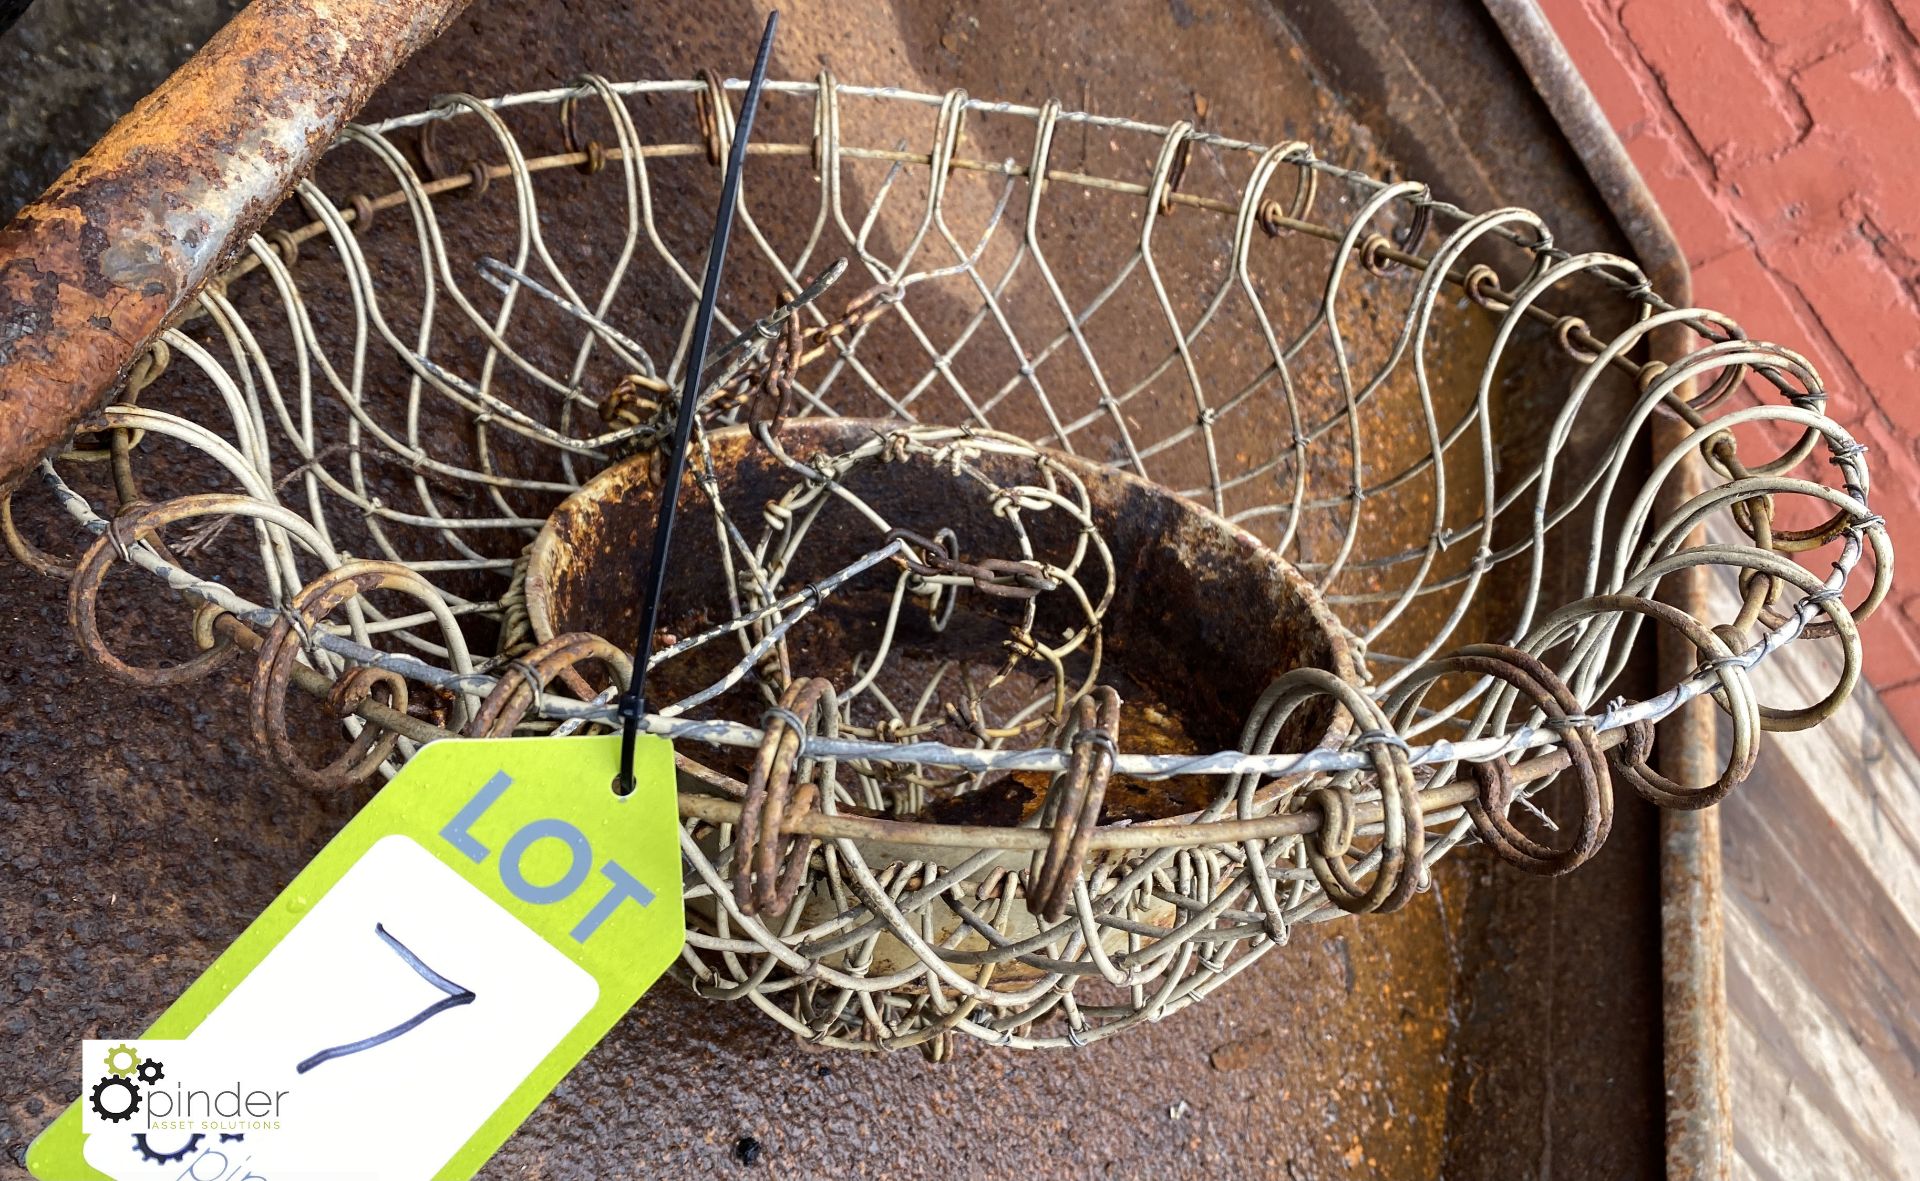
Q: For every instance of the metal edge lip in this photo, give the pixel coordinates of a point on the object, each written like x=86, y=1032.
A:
x=1699, y=1114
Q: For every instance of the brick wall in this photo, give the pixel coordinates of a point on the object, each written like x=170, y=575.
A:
x=1782, y=138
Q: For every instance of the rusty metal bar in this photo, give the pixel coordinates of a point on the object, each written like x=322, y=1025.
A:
x=1699, y=1132
x=95, y=268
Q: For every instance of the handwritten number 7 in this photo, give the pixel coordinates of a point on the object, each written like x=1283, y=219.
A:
x=456, y=996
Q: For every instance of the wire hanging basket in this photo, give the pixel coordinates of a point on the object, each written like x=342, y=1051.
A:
x=1094, y=567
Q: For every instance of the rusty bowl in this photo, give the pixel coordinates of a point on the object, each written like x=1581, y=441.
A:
x=1203, y=618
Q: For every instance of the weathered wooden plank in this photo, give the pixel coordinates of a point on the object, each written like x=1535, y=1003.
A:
x=1777, y=1133
x=1865, y=773
x=1744, y=1169
x=1815, y=1045
x=1822, y=863
x=1791, y=875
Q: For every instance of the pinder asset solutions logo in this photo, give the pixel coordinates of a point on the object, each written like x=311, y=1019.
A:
x=156, y=1096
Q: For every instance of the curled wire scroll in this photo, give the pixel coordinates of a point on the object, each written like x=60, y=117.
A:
x=1319, y=356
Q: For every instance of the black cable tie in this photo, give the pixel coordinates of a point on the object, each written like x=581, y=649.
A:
x=633, y=704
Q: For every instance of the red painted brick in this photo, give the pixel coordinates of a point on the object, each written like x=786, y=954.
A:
x=1909, y=11
x=1739, y=286
x=1889, y=640
x=1712, y=71
x=1892, y=632
x=1875, y=135
x=1903, y=705
x=1892, y=636
x=1800, y=219
x=1834, y=87
x=1904, y=617
x=1893, y=461
x=1865, y=310
x=1799, y=29
x=1765, y=310
x=1593, y=40
x=1699, y=219
x=1808, y=189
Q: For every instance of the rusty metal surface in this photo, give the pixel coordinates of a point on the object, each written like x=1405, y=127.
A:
x=1699, y=1115
x=93, y=269
x=1494, y=1026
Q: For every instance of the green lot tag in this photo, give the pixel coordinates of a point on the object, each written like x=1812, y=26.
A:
x=424, y=982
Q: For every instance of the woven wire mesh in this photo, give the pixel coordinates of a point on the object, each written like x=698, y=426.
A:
x=1442, y=420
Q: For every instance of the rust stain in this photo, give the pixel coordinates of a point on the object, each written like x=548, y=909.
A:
x=1189, y=583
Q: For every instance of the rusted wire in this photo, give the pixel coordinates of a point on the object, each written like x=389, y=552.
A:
x=1072, y=810
x=769, y=861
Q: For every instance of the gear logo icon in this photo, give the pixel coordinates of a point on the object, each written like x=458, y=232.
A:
x=122, y=1061
x=152, y=1070
x=118, y=1107
x=153, y=1154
